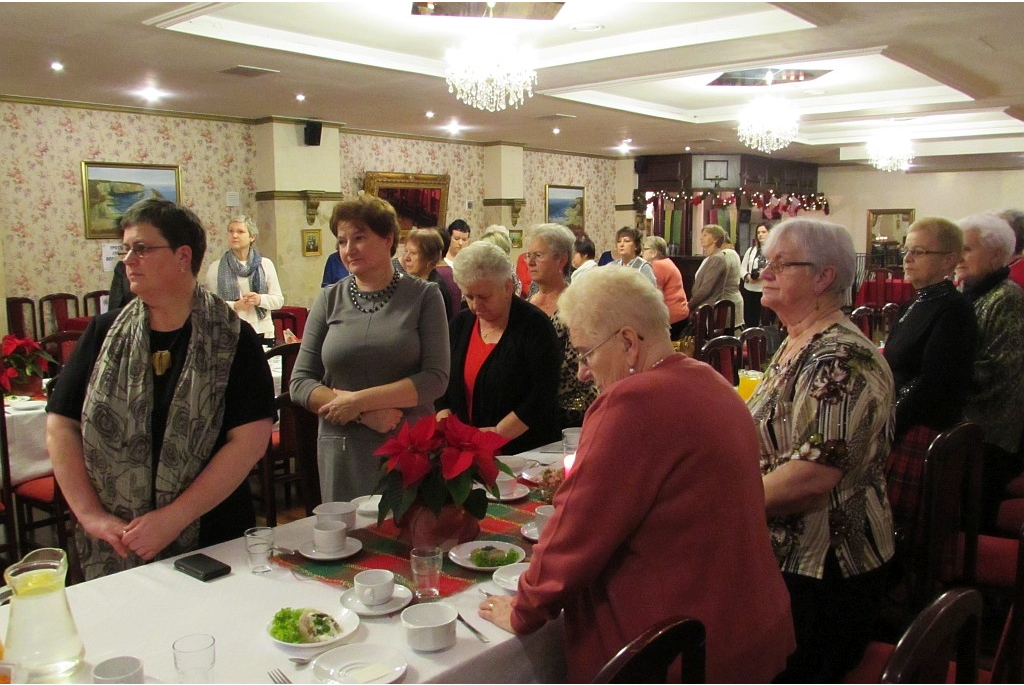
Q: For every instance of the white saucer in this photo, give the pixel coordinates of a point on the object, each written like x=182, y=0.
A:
x=519, y=492
x=530, y=531
x=341, y=664
x=352, y=545
x=399, y=600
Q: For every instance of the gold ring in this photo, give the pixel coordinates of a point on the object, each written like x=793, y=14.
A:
x=490, y=605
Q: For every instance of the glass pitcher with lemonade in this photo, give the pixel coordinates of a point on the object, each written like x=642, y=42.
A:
x=41, y=635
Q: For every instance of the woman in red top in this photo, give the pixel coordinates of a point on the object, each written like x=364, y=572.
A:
x=669, y=282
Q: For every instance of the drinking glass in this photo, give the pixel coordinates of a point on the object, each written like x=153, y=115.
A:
x=749, y=380
x=426, y=571
x=194, y=657
x=259, y=544
x=570, y=441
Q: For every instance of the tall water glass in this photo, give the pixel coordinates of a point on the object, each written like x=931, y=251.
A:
x=194, y=657
x=426, y=571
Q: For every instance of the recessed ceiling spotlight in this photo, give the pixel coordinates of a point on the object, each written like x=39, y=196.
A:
x=151, y=94
x=300, y=97
x=556, y=130
x=56, y=66
x=586, y=28
x=625, y=147
x=686, y=149
x=454, y=128
x=430, y=114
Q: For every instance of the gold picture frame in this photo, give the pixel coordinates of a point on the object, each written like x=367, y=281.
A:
x=311, y=242
x=110, y=188
x=421, y=200
x=565, y=205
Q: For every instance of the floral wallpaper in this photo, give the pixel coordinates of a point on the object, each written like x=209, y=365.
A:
x=41, y=151
x=597, y=178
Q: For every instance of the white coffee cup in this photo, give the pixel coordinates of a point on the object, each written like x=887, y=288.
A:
x=515, y=463
x=543, y=514
x=430, y=627
x=329, y=537
x=120, y=669
x=506, y=484
x=344, y=512
x=374, y=587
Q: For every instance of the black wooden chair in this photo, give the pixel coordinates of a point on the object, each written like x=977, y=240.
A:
x=864, y=318
x=92, y=301
x=283, y=321
x=723, y=318
x=755, y=343
x=54, y=311
x=60, y=346
x=21, y=317
x=724, y=354
x=648, y=657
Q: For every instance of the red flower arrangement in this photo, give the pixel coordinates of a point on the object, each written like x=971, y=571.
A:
x=21, y=358
x=436, y=463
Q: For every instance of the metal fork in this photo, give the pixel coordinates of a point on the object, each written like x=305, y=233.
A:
x=277, y=676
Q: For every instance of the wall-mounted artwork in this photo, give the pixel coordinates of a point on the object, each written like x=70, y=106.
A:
x=109, y=189
x=310, y=242
x=564, y=205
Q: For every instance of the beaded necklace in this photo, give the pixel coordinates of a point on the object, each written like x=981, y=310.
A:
x=377, y=299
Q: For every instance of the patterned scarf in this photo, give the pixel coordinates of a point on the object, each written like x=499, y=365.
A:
x=231, y=269
x=116, y=415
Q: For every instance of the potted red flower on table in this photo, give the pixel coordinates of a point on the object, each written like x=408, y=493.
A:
x=22, y=365
x=428, y=476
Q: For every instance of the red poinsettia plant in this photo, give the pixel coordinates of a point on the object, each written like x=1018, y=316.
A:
x=21, y=358
x=436, y=463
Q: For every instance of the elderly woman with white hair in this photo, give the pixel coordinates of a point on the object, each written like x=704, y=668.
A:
x=618, y=553
x=998, y=385
x=549, y=249
x=824, y=420
x=246, y=279
x=504, y=355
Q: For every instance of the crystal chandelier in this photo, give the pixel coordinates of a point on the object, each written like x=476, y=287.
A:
x=768, y=124
x=490, y=77
x=890, y=151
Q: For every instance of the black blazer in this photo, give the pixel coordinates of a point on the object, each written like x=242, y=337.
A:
x=520, y=375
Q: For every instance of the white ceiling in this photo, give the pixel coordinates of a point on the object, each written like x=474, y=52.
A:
x=950, y=74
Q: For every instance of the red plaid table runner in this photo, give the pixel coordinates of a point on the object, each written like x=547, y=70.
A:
x=383, y=549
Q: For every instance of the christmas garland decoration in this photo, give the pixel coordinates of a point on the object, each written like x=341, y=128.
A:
x=772, y=205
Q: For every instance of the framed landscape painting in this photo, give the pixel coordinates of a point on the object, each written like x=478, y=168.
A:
x=108, y=189
x=564, y=205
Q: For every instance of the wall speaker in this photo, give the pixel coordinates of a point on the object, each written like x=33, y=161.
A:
x=313, y=131
x=640, y=165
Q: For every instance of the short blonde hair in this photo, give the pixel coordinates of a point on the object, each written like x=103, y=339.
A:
x=611, y=298
x=481, y=261
x=947, y=234
x=498, y=235
x=656, y=243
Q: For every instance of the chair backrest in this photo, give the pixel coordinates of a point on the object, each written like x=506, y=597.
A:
x=890, y=313
x=283, y=320
x=54, y=311
x=723, y=353
x=702, y=328
x=9, y=547
x=60, y=346
x=946, y=548
x=648, y=657
x=880, y=290
x=755, y=342
x=723, y=320
x=92, y=301
x=287, y=352
x=21, y=317
x=946, y=630
x=1008, y=664
x=863, y=317
x=298, y=432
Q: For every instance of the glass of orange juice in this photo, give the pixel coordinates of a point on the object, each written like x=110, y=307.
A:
x=749, y=381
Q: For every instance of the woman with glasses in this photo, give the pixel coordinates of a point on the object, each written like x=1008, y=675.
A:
x=670, y=282
x=162, y=410
x=627, y=245
x=505, y=355
x=655, y=479
x=930, y=351
x=824, y=420
x=246, y=279
x=548, y=251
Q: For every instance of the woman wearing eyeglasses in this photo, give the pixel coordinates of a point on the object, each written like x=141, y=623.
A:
x=246, y=279
x=163, y=408
x=824, y=420
x=504, y=355
x=549, y=249
x=930, y=351
x=618, y=555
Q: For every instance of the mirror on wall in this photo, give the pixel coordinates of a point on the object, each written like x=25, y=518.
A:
x=888, y=225
x=420, y=200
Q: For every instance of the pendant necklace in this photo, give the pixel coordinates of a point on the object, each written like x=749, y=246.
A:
x=376, y=300
x=162, y=358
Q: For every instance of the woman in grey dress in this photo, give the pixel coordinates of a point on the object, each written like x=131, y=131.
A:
x=374, y=352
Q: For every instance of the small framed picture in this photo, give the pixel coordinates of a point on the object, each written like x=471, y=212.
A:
x=310, y=242
x=517, y=239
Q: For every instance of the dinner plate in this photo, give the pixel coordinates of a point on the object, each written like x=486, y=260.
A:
x=27, y=405
x=530, y=532
x=519, y=492
x=507, y=577
x=342, y=664
x=11, y=399
x=347, y=619
x=352, y=545
x=399, y=600
x=368, y=505
x=460, y=553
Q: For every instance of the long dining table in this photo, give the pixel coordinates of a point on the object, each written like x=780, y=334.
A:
x=141, y=611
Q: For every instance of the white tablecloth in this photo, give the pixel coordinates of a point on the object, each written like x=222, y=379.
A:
x=142, y=611
x=26, y=440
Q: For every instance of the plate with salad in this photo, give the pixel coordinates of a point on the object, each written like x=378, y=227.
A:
x=304, y=628
x=486, y=555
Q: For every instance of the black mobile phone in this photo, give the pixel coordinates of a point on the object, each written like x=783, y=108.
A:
x=202, y=567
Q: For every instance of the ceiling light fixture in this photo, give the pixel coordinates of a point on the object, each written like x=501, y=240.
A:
x=624, y=146
x=768, y=124
x=300, y=97
x=150, y=93
x=454, y=128
x=890, y=151
x=490, y=77
x=56, y=66
x=429, y=114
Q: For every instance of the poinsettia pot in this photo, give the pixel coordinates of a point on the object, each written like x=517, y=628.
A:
x=26, y=385
x=420, y=527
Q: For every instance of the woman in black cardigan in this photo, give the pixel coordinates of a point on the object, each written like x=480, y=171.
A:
x=505, y=357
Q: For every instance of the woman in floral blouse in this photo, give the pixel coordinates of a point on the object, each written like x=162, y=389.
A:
x=824, y=419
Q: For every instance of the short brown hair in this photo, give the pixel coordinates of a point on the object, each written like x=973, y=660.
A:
x=368, y=211
x=429, y=242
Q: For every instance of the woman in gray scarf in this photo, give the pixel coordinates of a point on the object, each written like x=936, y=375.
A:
x=246, y=279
